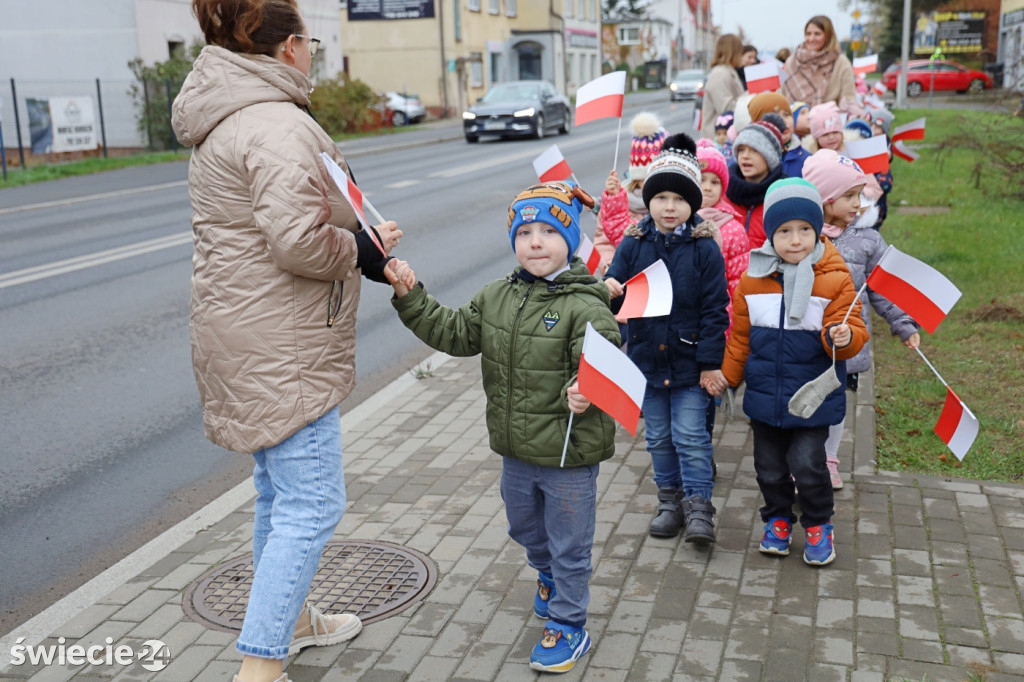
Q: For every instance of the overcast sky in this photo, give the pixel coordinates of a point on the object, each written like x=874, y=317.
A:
x=773, y=24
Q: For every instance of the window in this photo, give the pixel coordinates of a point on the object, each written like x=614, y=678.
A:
x=473, y=5
x=175, y=49
x=583, y=68
x=510, y=8
x=496, y=67
x=494, y=6
x=581, y=9
x=629, y=35
x=476, y=73
x=568, y=8
x=593, y=10
x=571, y=65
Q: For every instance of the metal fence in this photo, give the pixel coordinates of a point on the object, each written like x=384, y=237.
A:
x=114, y=112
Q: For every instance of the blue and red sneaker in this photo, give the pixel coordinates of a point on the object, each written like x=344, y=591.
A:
x=545, y=591
x=778, y=533
x=819, y=550
x=559, y=648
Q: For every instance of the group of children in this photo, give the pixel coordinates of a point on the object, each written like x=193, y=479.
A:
x=764, y=270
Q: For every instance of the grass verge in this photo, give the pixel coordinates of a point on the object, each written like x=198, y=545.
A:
x=18, y=176
x=978, y=348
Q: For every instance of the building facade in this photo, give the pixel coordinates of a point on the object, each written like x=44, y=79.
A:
x=450, y=52
x=1011, y=44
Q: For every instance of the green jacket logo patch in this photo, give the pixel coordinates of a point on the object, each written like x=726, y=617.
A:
x=550, y=320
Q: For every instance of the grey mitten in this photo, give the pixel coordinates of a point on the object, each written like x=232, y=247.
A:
x=811, y=395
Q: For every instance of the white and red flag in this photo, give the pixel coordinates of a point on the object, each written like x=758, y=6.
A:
x=351, y=194
x=957, y=425
x=872, y=154
x=909, y=131
x=874, y=101
x=610, y=380
x=867, y=64
x=879, y=88
x=763, y=77
x=698, y=119
x=648, y=294
x=588, y=254
x=920, y=290
x=551, y=166
x=904, y=152
x=601, y=98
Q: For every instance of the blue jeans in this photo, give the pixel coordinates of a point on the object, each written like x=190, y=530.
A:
x=676, y=422
x=300, y=498
x=551, y=512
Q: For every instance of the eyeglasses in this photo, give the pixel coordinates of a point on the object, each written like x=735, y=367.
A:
x=314, y=43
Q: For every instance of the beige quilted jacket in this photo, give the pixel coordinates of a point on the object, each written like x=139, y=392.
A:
x=271, y=234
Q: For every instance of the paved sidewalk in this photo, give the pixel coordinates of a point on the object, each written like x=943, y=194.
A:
x=927, y=583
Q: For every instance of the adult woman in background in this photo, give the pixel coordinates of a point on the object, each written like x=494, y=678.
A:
x=819, y=72
x=723, y=85
x=275, y=287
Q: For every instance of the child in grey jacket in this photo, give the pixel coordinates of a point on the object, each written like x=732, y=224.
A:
x=840, y=182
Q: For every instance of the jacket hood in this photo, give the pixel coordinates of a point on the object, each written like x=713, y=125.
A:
x=694, y=228
x=719, y=214
x=223, y=82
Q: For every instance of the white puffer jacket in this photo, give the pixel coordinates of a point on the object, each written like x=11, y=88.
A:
x=271, y=234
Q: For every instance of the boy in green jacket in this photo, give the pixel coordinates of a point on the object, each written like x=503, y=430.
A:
x=529, y=329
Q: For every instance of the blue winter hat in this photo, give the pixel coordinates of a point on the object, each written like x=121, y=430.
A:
x=792, y=199
x=861, y=126
x=557, y=204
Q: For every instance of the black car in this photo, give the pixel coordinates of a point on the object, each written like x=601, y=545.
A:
x=515, y=108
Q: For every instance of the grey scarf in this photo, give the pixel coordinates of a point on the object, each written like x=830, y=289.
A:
x=797, y=278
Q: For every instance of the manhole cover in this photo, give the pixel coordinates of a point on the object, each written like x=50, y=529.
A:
x=371, y=579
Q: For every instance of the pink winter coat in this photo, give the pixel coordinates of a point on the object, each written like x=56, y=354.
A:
x=612, y=222
x=735, y=245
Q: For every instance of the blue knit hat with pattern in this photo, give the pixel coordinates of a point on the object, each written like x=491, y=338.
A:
x=557, y=204
x=792, y=199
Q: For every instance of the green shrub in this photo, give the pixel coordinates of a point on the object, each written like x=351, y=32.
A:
x=344, y=105
x=150, y=94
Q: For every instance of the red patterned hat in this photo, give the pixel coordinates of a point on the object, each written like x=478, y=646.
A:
x=648, y=134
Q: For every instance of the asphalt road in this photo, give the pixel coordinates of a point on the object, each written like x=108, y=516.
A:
x=101, y=441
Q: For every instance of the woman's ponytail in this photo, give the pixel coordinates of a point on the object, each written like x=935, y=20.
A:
x=247, y=26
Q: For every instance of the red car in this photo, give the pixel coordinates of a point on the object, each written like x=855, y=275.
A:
x=947, y=76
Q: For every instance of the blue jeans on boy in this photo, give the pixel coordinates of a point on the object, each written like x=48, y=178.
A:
x=551, y=512
x=800, y=452
x=678, y=440
x=300, y=499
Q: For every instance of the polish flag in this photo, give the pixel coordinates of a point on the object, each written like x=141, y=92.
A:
x=648, y=294
x=909, y=131
x=874, y=101
x=865, y=64
x=783, y=74
x=610, y=380
x=904, y=152
x=904, y=280
x=957, y=425
x=588, y=254
x=879, y=88
x=872, y=154
x=763, y=77
x=551, y=166
x=698, y=119
x=601, y=98
x=351, y=194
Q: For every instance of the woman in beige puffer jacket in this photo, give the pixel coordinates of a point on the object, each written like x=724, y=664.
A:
x=275, y=288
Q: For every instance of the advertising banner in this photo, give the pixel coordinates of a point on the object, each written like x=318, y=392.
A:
x=74, y=124
x=950, y=32
x=366, y=10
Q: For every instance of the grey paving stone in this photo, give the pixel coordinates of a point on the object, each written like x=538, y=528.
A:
x=664, y=636
x=877, y=643
x=835, y=613
x=143, y=606
x=700, y=657
x=912, y=562
x=999, y=601
x=1006, y=634
x=709, y=623
x=918, y=622
x=915, y=590
x=185, y=667
x=483, y=661
x=874, y=573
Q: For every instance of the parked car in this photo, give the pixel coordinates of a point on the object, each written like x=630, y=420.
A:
x=518, y=108
x=403, y=108
x=948, y=75
x=687, y=85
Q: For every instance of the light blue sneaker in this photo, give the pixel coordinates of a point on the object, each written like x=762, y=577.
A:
x=778, y=533
x=545, y=591
x=559, y=648
x=819, y=549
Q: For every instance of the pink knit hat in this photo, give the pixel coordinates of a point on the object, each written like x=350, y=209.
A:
x=832, y=173
x=648, y=134
x=825, y=118
x=712, y=161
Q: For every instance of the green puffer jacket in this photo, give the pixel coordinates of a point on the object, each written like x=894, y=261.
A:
x=530, y=335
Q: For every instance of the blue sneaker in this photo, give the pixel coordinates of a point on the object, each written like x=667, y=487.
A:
x=819, y=550
x=559, y=648
x=777, y=536
x=545, y=591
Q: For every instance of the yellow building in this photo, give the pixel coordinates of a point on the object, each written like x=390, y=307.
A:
x=450, y=52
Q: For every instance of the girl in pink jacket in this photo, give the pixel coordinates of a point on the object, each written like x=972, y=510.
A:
x=730, y=235
x=620, y=209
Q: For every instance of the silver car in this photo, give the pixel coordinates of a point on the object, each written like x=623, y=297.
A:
x=404, y=108
x=687, y=85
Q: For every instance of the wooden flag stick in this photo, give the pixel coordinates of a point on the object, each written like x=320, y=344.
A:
x=618, y=134
x=932, y=368
x=371, y=209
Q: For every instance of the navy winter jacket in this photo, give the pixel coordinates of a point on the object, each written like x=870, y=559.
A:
x=673, y=349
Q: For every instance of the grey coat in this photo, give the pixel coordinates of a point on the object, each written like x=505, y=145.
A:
x=861, y=248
